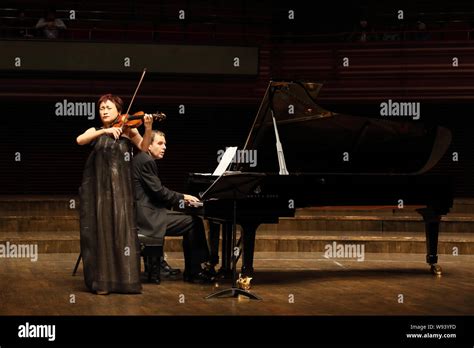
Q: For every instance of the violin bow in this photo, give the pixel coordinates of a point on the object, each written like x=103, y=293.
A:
x=134, y=94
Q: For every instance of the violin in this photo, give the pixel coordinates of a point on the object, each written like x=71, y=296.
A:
x=135, y=120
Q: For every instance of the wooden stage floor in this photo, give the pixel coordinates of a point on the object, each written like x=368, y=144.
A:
x=291, y=284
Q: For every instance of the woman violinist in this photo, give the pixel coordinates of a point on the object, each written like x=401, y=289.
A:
x=109, y=241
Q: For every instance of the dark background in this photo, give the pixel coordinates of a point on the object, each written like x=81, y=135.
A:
x=219, y=108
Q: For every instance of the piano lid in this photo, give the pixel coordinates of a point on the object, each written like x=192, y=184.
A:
x=316, y=140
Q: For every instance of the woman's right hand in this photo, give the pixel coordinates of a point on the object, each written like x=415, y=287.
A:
x=113, y=132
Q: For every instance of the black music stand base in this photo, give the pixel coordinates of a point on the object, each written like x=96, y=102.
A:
x=232, y=292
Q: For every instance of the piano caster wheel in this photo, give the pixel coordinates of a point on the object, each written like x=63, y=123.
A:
x=436, y=270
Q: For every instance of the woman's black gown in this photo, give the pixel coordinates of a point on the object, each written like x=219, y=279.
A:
x=109, y=241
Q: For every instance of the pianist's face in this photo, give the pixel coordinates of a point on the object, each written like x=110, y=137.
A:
x=158, y=147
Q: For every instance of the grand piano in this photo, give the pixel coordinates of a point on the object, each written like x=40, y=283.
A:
x=311, y=157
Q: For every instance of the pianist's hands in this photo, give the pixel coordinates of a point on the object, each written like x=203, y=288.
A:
x=190, y=199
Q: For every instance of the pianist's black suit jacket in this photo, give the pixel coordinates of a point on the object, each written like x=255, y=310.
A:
x=151, y=198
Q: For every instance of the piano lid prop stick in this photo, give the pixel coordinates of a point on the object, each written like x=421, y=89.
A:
x=281, y=155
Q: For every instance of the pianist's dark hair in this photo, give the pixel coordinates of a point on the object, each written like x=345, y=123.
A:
x=156, y=132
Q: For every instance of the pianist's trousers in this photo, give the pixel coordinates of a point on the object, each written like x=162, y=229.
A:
x=191, y=229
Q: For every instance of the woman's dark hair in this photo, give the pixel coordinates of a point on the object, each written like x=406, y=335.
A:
x=114, y=99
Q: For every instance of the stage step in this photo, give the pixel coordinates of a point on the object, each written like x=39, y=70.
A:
x=39, y=205
x=380, y=223
x=45, y=223
x=393, y=242
x=52, y=222
x=309, y=241
x=374, y=242
x=69, y=206
x=343, y=223
x=461, y=206
x=47, y=241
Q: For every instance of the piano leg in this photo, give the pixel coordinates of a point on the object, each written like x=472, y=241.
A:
x=234, y=291
x=432, y=219
x=214, y=235
x=248, y=244
x=226, y=269
x=248, y=237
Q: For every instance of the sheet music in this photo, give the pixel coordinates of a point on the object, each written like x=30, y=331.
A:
x=225, y=160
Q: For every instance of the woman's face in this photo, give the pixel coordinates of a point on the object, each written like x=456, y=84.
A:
x=108, y=112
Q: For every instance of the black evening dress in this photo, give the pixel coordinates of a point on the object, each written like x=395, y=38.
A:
x=109, y=240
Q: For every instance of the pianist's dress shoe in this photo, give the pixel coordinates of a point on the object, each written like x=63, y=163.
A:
x=210, y=269
x=152, y=277
x=167, y=271
x=198, y=278
x=154, y=280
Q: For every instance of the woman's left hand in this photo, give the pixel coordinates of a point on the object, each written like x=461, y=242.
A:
x=148, y=121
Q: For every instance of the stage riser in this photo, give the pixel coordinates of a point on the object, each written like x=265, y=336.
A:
x=58, y=207
x=460, y=206
x=336, y=223
x=281, y=245
x=347, y=224
x=48, y=246
x=296, y=244
x=69, y=206
x=53, y=224
x=418, y=247
x=39, y=224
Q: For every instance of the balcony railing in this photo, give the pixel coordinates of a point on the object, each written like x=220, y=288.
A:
x=208, y=33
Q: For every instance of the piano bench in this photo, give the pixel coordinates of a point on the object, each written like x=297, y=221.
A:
x=152, y=253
